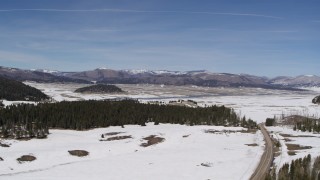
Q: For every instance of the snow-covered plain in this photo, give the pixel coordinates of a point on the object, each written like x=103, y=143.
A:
x=177, y=157
x=255, y=103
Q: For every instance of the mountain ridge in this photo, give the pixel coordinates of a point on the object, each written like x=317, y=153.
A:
x=196, y=77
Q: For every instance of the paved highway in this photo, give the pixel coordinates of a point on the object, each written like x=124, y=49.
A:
x=266, y=159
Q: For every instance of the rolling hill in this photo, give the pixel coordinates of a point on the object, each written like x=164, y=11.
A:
x=17, y=91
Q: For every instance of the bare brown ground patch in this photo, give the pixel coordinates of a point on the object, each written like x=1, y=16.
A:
x=287, y=139
x=26, y=158
x=277, y=154
x=290, y=135
x=291, y=153
x=79, y=153
x=116, y=138
x=286, y=135
x=293, y=147
x=254, y=144
x=185, y=136
x=112, y=133
x=252, y=131
x=306, y=136
x=152, y=140
x=276, y=151
x=4, y=145
x=206, y=164
x=212, y=131
x=276, y=147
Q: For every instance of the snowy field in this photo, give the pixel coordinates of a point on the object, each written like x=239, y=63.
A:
x=286, y=135
x=226, y=154
x=187, y=152
x=255, y=103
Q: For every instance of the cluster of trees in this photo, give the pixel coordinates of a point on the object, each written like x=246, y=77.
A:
x=270, y=121
x=316, y=100
x=35, y=120
x=308, y=124
x=100, y=88
x=17, y=91
x=299, y=169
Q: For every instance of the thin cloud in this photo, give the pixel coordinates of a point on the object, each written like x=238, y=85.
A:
x=141, y=11
x=316, y=21
x=235, y=30
x=100, y=30
x=6, y=56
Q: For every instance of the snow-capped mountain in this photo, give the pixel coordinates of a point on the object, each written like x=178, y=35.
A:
x=142, y=76
x=35, y=75
x=45, y=71
x=160, y=72
x=299, y=81
x=199, y=78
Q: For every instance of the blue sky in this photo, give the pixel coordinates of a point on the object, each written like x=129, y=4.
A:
x=260, y=37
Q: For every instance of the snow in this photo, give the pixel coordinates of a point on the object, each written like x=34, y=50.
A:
x=175, y=158
x=314, y=88
x=103, y=68
x=226, y=153
x=136, y=71
x=309, y=75
x=157, y=72
x=45, y=71
x=255, y=103
x=260, y=107
x=303, y=141
x=8, y=103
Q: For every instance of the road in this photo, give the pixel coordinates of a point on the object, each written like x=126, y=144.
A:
x=266, y=159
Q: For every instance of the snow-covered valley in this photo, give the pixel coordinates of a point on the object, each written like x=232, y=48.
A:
x=255, y=103
x=187, y=152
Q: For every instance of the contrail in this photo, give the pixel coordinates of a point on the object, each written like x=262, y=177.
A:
x=141, y=11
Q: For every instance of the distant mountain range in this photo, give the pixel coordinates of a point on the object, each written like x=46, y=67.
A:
x=305, y=81
x=199, y=78
x=35, y=75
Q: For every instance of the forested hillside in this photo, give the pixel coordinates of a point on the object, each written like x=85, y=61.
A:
x=100, y=88
x=316, y=100
x=17, y=91
x=28, y=120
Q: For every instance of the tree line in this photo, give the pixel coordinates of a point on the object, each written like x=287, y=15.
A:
x=301, y=168
x=28, y=120
x=308, y=124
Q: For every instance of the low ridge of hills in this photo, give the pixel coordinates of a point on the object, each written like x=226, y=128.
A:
x=198, y=78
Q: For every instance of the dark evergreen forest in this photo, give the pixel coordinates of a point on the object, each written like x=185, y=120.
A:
x=308, y=124
x=17, y=91
x=100, y=88
x=27, y=120
x=300, y=169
